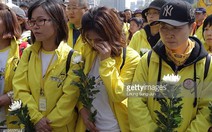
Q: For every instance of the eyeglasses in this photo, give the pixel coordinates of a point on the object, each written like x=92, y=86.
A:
x=38, y=22
x=74, y=8
x=152, y=13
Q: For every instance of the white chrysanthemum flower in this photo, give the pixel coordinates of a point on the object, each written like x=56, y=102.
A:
x=144, y=50
x=15, y=105
x=210, y=103
x=77, y=59
x=173, y=79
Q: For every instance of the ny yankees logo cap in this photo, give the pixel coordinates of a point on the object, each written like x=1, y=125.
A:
x=176, y=13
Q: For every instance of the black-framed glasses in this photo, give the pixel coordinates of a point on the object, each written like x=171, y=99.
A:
x=74, y=7
x=152, y=13
x=38, y=22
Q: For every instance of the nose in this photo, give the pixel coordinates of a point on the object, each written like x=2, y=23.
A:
x=169, y=33
x=35, y=26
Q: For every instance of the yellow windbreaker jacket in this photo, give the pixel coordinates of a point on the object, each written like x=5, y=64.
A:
x=198, y=34
x=61, y=97
x=114, y=80
x=142, y=117
x=11, y=66
x=139, y=40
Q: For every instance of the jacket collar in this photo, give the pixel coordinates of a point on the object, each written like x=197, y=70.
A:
x=37, y=45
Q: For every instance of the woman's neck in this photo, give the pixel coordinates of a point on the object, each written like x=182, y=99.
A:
x=4, y=43
x=77, y=26
x=49, y=46
x=210, y=49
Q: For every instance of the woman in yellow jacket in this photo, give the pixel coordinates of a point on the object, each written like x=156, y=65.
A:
x=106, y=60
x=41, y=80
x=147, y=37
x=9, y=56
x=176, y=54
x=207, y=33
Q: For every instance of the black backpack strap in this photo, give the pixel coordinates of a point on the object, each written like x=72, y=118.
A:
x=68, y=61
x=195, y=85
x=207, y=65
x=29, y=55
x=123, y=57
x=148, y=57
x=159, y=70
x=159, y=77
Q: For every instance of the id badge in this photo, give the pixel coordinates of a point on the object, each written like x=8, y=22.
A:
x=42, y=103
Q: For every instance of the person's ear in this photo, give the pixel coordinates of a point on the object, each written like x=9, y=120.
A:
x=192, y=27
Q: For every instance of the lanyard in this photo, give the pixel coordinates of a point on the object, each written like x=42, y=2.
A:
x=43, y=78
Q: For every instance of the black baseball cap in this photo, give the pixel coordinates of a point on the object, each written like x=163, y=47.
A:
x=156, y=4
x=176, y=13
x=200, y=10
x=138, y=11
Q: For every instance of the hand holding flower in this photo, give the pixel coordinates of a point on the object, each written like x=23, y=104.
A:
x=86, y=85
x=210, y=129
x=85, y=116
x=43, y=124
x=4, y=100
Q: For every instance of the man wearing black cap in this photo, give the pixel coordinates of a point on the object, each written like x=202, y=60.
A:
x=138, y=13
x=149, y=36
x=184, y=57
x=200, y=15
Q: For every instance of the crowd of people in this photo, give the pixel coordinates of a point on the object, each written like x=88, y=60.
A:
x=40, y=46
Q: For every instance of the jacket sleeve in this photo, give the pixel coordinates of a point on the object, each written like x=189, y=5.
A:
x=115, y=81
x=201, y=123
x=139, y=41
x=138, y=112
x=22, y=90
x=132, y=43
